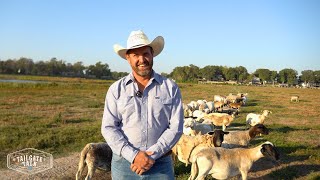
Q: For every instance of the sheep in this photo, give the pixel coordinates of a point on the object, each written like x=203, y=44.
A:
x=94, y=155
x=187, y=144
x=223, y=163
x=232, y=98
x=210, y=105
x=191, y=127
x=219, y=98
x=294, y=98
x=253, y=119
x=187, y=110
x=194, y=105
x=242, y=138
x=218, y=105
x=218, y=119
x=187, y=130
x=198, y=113
x=235, y=105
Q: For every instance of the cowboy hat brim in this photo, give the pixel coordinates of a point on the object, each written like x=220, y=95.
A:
x=157, y=45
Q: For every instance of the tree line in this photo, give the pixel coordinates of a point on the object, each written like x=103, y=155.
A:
x=191, y=73
x=55, y=67
x=240, y=74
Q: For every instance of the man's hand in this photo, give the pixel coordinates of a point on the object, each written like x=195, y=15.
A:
x=142, y=162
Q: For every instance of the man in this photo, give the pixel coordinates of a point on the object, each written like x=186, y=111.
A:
x=143, y=114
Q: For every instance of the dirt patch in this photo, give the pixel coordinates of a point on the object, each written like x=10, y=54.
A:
x=66, y=168
x=63, y=168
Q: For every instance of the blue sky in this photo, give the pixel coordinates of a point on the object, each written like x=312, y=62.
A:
x=273, y=34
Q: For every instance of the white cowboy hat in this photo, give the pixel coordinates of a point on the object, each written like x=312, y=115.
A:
x=138, y=39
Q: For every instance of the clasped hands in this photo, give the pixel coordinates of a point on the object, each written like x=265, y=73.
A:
x=142, y=162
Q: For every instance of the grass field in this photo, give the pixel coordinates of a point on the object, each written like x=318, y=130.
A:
x=63, y=114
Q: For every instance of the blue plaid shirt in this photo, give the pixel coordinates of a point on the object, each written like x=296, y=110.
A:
x=151, y=122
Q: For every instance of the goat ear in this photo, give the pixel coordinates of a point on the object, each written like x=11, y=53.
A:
x=210, y=132
x=263, y=148
x=225, y=132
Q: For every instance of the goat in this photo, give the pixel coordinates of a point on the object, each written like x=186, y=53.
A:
x=187, y=144
x=191, y=127
x=94, y=155
x=294, y=98
x=218, y=119
x=223, y=163
x=242, y=138
x=253, y=119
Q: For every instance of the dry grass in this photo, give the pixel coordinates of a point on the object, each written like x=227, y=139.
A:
x=64, y=114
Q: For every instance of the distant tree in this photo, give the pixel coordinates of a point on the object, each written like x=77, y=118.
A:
x=317, y=76
x=185, y=73
x=40, y=68
x=230, y=73
x=10, y=67
x=288, y=76
x=24, y=65
x=99, y=70
x=211, y=72
x=307, y=76
x=118, y=75
x=2, y=67
x=164, y=74
x=263, y=74
x=273, y=76
x=78, y=68
x=193, y=72
x=242, y=73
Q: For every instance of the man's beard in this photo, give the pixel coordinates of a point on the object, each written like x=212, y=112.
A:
x=145, y=72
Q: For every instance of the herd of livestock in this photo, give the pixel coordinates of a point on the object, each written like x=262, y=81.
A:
x=209, y=149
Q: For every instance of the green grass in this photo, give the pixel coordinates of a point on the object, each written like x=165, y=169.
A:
x=63, y=114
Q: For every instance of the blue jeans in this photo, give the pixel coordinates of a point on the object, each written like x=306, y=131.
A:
x=162, y=169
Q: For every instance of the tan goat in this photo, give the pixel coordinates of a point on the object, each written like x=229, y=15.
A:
x=294, y=98
x=94, y=155
x=223, y=163
x=218, y=119
x=242, y=138
x=188, y=145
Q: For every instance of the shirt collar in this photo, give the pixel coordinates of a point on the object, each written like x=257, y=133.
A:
x=154, y=77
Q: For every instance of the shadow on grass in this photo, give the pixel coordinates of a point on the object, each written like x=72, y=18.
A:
x=286, y=129
x=181, y=169
x=293, y=172
x=252, y=102
x=76, y=121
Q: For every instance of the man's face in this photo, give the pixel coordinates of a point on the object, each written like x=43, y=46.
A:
x=141, y=60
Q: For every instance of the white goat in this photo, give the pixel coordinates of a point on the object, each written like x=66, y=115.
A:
x=223, y=163
x=253, y=119
x=219, y=98
x=191, y=127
